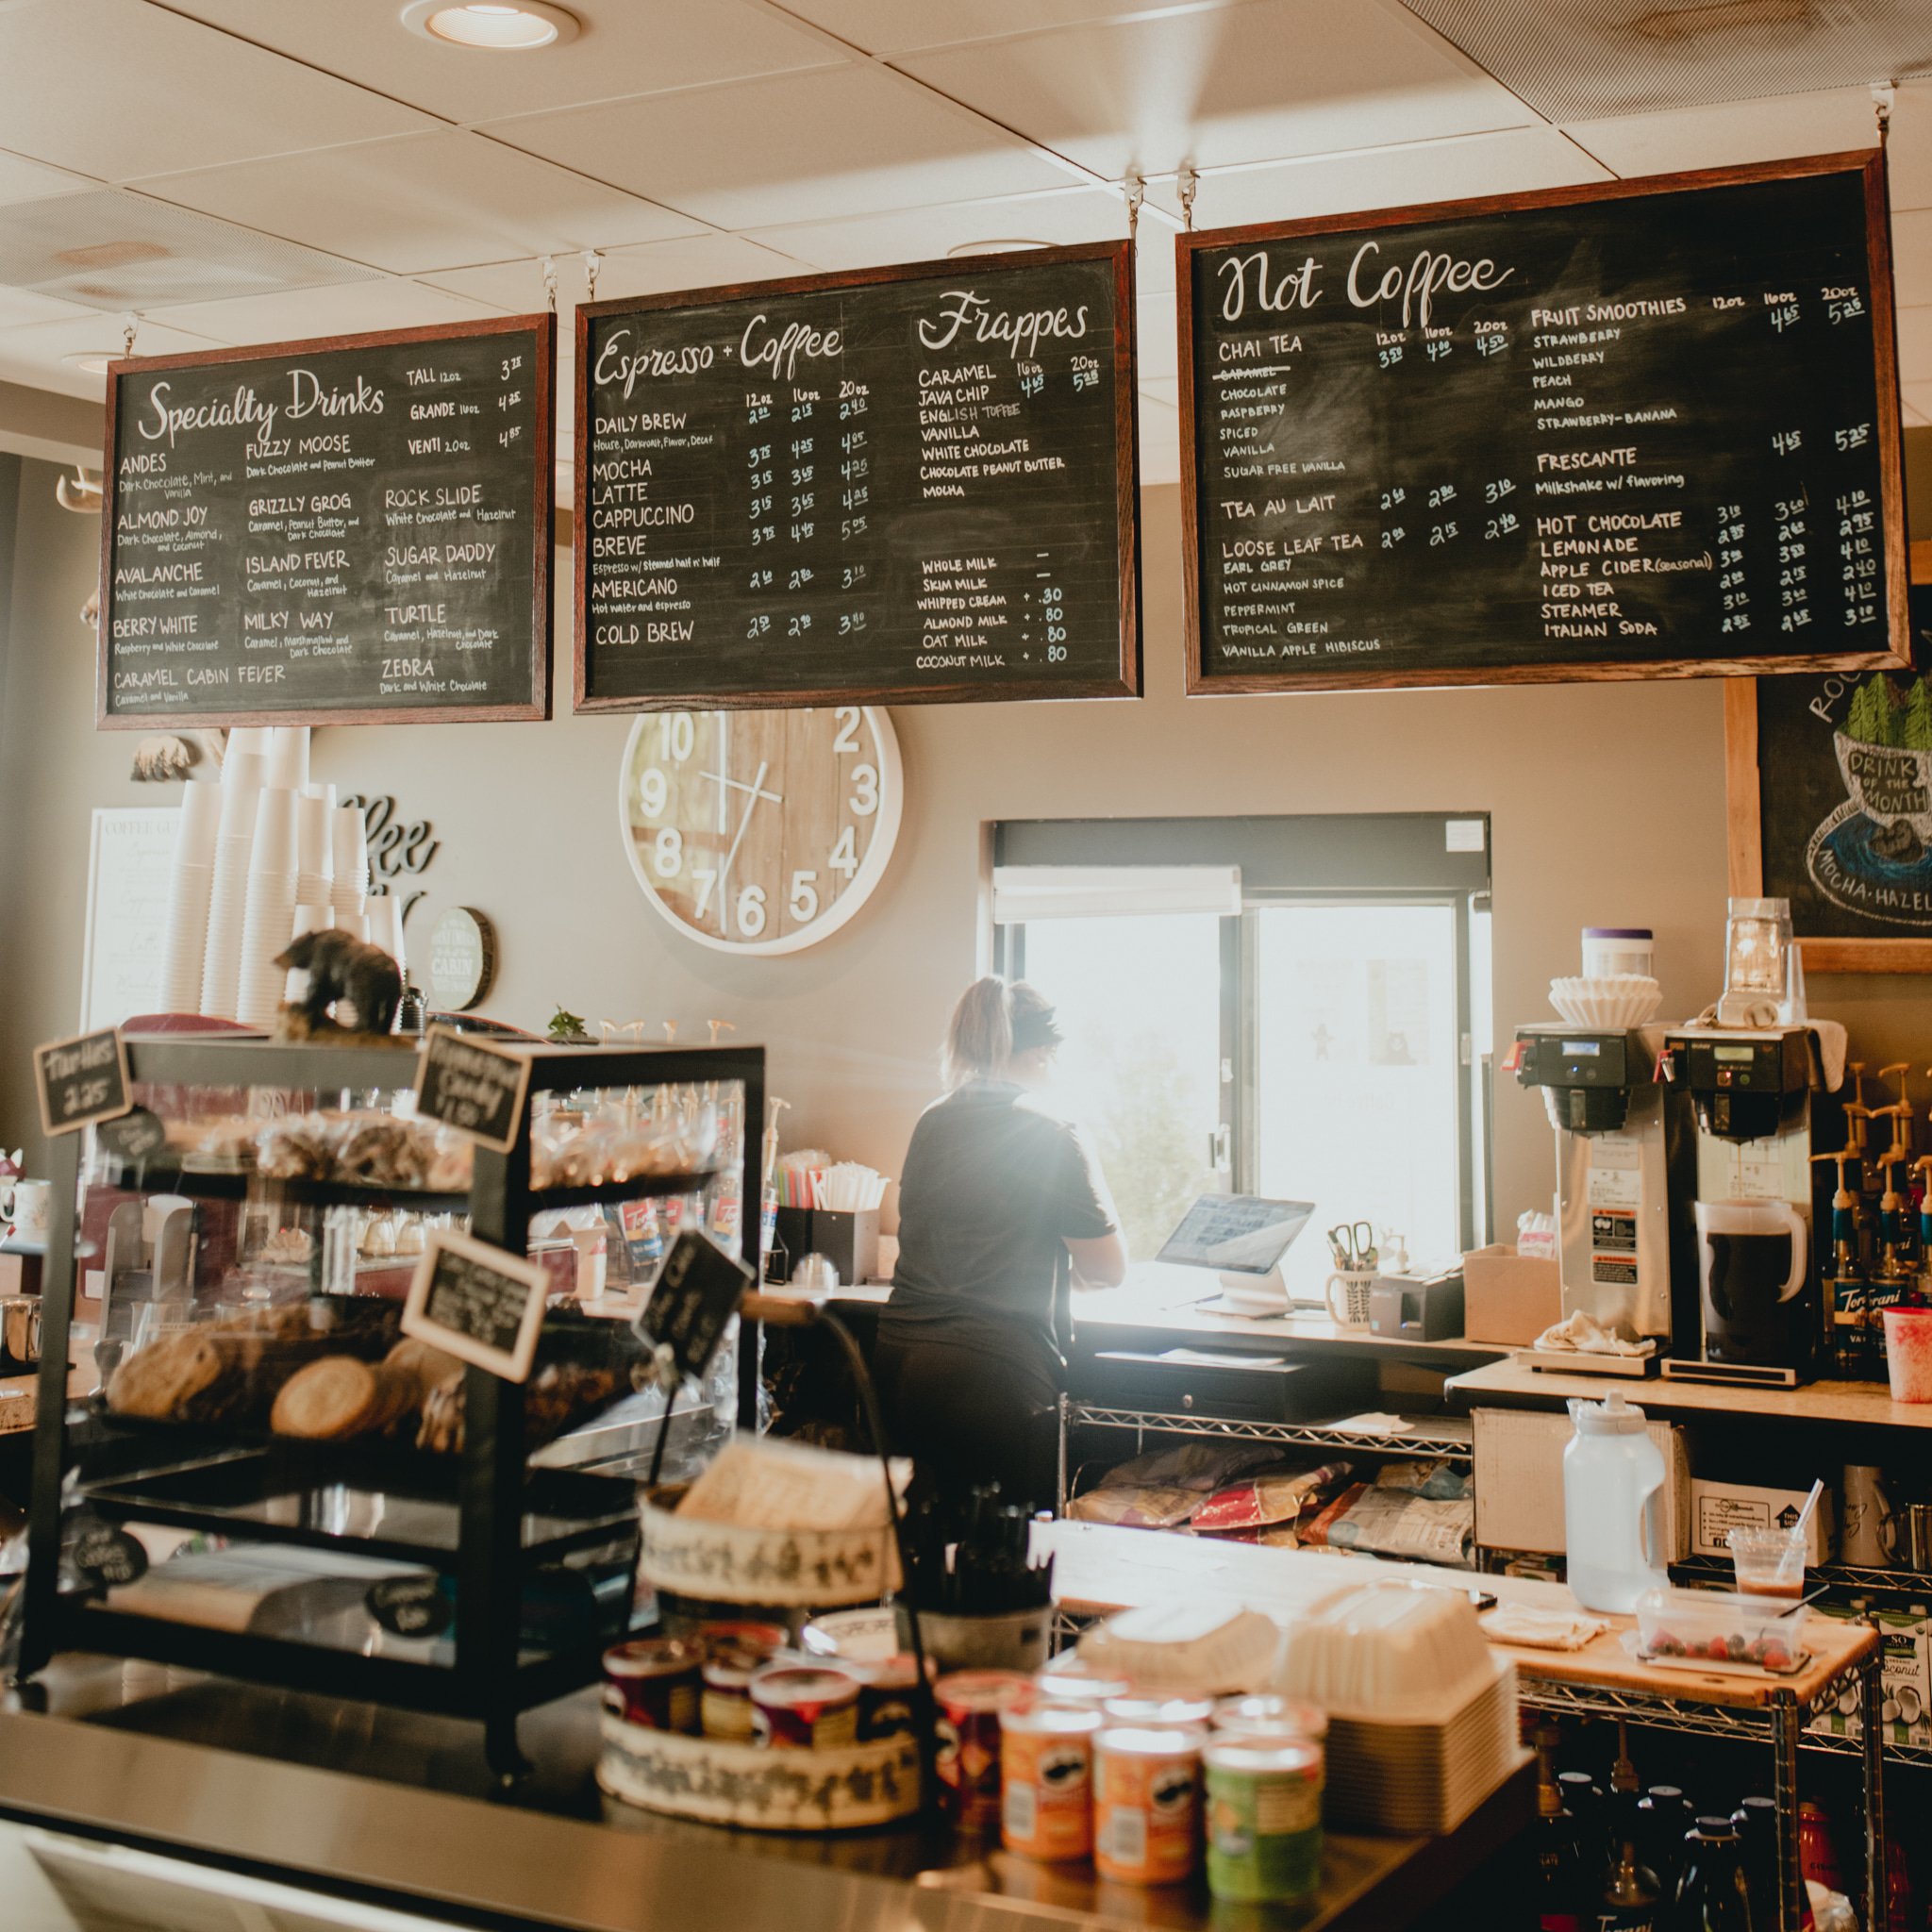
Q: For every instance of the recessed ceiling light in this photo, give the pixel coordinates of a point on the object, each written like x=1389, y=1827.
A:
x=503, y=29
x=93, y=361
x=1012, y=246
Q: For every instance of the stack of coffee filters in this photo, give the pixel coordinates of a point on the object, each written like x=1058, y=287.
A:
x=244, y=772
x=270, y=912
x=190, y=885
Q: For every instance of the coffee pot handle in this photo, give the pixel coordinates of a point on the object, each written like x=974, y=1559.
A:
x=1801, y=1254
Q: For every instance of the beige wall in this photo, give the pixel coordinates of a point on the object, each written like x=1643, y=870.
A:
x=1608, y=803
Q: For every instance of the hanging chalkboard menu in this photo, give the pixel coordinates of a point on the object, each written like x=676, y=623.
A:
x=899, y=485
x=349, y=531
x=1643, y=428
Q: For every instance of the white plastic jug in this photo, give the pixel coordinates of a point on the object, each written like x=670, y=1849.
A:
x=1613, y=1506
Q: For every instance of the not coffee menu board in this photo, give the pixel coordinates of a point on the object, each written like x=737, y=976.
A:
x=355, y=530
x=897, y=485
x=1643, y=428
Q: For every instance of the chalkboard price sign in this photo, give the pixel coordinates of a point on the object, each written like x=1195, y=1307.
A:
x=895, y=486
x=1644, y=429
x=697, y=1292
x=477, y=1090
x=413, y=1606
x=81, y=1081
x=354, y=530
x=476, y=1302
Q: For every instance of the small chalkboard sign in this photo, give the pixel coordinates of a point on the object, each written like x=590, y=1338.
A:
x=413, y=1606
x=476, y=1302
x=477, y=1090
x=82, y=1080
x=697, y=1295
x=106, y=1556
x=135, y=1136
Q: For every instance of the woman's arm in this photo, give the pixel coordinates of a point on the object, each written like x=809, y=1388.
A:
x=1099, y=1260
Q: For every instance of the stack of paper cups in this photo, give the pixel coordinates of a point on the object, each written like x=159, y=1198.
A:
x=386, y=928
x=349, y=887
x=271, y=909
x=220, y=968
x=315, y=865
x=190, y=885
x=318, y=918
x=288, y=757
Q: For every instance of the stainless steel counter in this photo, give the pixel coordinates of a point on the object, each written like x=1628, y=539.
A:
x=397, y=1807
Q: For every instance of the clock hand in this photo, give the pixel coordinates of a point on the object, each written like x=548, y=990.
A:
x=751, y=805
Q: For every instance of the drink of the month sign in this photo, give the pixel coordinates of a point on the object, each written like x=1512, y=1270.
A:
x=478, y=1303
x=477, y=1090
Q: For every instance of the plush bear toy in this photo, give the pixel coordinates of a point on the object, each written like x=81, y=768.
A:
x=341, y=967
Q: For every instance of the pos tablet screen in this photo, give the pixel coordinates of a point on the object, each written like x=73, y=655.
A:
x=1236, y=1234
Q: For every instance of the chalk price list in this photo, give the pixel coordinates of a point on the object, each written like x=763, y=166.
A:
x=350, y=530
x=1449, y=452
x=907, y=485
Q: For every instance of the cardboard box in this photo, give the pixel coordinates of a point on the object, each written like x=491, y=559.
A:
x=1519, y=1481
x=1717, y=1508
x=1509, y=1298
x=1839, y=1719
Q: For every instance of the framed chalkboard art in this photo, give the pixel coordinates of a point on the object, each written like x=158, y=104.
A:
x=1830, y=783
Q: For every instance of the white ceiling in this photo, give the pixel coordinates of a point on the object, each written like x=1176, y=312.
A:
x=697, y=143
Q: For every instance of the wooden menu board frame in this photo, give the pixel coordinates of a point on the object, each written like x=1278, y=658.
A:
x=1128, y=684
x=1868, y=162
x=1745, y=829
x=542, y=326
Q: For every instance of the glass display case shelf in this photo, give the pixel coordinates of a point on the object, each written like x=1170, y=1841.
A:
x=241, y=1184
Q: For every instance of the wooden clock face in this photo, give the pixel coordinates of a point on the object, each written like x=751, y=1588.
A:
x=761, y=831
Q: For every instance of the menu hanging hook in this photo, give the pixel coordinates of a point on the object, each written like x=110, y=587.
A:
x=1190, y=184
x=1882, y=99
x=129, y=328
x=592, y=262
x=1136, y=193
x=550, y=282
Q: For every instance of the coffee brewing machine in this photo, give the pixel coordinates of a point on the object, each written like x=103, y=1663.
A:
x=1600, y=1090
x=1752, y=1136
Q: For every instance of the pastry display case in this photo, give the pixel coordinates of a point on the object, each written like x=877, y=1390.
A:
x=272, y=1481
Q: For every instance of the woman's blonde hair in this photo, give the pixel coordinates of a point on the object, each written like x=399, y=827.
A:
x=995, y=1020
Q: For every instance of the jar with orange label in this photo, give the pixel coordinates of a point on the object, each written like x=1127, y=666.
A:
x=1146, y=1805
x=1046, y=1776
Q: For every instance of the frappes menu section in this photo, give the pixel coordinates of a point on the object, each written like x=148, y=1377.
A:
x=346, y=531
x=897, y=485
x=1629, y=431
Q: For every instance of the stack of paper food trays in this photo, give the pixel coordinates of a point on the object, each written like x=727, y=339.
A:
x=1422, y=1713
x=723, y=1781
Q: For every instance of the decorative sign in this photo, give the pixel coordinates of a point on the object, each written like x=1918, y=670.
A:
x=396, y=846
x=1642, y=429
x=696, y=1293
x=462, y=959
x=132, y=1138
x=477, y=1301
x=413, y=1606
x=901, y=484
x=762, y=831
x=1830, y=790
x=82, y=1080
x=477, y=1090
x=106, y=1556
x=354, y=530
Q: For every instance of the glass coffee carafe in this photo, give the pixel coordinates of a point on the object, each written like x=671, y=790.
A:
x=1751, y=1262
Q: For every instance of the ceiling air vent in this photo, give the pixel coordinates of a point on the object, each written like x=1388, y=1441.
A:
x=1578, y=59
x=112, y=249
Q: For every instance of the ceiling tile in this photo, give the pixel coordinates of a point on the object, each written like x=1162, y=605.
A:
x=1915, y=344
x=1918, y=396
x=425, y=201
x=699, y=261
x=1730, y=133
x=1911, y=261
x=1424, y=170
x=1162, y=389
x=801, y=147
x=895, y=26
x=23, y=180
x=18, y=306
x=32, y=353
x=1161, y=442
x=1258, y=82
x=626, y=48
x=121, y=88
x=350, y=310
x=1059, y=219
x=1914, y=419
x=1156, y=345
x=1909, y=155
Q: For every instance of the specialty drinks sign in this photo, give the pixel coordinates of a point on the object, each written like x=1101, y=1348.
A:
x=355, y=530
x=899, y=485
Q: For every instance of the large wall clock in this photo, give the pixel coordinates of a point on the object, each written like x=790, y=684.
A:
x=761, y=831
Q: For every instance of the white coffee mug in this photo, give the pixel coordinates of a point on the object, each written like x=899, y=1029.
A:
x=1352, y=1311
x=32, y=1209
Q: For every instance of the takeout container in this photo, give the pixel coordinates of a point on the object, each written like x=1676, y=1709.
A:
x=1195, y=1649
x=1721, y=1628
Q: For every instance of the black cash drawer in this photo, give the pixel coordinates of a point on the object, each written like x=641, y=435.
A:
x=1259, y=1389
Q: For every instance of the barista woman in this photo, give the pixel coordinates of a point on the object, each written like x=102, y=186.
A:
x=998, y=1200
